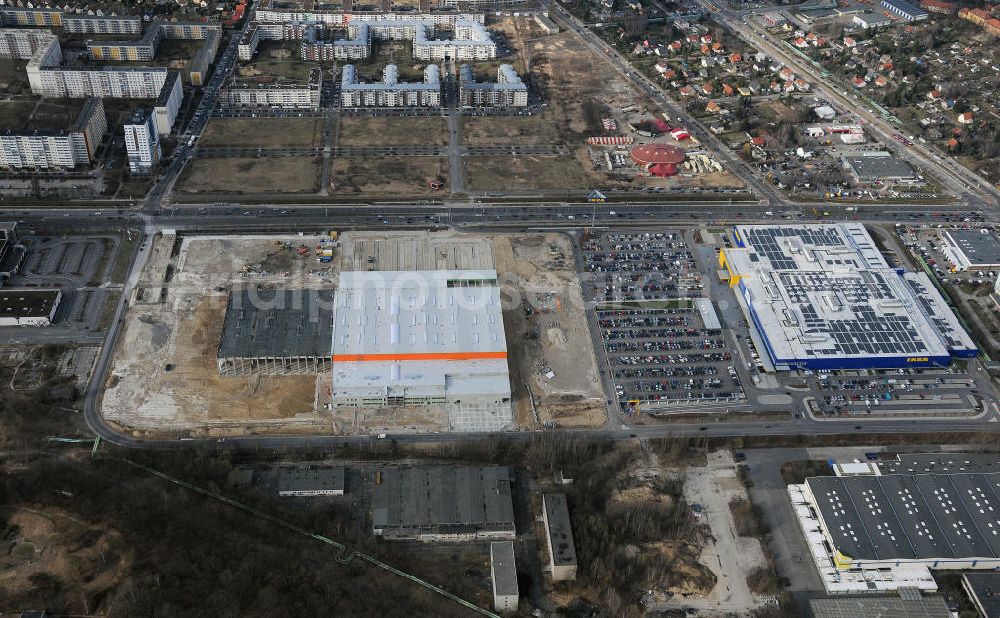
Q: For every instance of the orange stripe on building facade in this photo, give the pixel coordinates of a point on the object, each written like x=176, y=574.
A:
x=418, y=356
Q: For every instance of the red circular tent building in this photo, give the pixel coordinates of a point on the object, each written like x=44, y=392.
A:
x=657, y=154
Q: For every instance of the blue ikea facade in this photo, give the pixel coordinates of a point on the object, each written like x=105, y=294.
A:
x=955, y=347
x=849, y=362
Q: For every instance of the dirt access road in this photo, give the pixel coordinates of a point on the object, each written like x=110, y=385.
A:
x=730, y=557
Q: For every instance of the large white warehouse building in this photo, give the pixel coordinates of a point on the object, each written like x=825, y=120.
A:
x=422, y=338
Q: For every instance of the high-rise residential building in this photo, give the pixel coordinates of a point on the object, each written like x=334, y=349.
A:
x=282, y=95
x=63, y=149
x=168, y=103
x=101, y=24
x=142, y=142
x=40, y=17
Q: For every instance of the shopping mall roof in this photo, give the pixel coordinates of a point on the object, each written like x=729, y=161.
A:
x=910, y=517
x=878, y=165
x=36, y=302
x=940, y=463
x=823, y=297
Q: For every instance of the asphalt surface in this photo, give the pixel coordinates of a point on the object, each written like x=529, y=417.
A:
x=505, y=217
x=470, y=213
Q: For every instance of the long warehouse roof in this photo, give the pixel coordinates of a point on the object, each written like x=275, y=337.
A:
x=418, y=315
x=911, y=517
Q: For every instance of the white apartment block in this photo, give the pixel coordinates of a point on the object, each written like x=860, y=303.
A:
x=340, y=19
x=189, y=30
x=101, y=24
x=43, y=150
x=248, y=43
x=508, y=91
x=108, y=82
x=142, y=142
x=390, y=92
x=168, y=103
x=471, y=38
x=23, y=44
x=40, y=17
x=240, y=93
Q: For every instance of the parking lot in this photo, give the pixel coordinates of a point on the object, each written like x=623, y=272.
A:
x=888, y=392
x=77, y=266
x=641, y=266
x=658, y=349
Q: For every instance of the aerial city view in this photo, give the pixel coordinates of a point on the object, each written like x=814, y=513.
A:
x=442, y=308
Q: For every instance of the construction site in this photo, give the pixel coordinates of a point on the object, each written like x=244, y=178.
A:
x=230, y=335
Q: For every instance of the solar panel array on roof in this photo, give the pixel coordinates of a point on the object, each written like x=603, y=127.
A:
x=911, y=517
x=823, y=297
x=882, y=607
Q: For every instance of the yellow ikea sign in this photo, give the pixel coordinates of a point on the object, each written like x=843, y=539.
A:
x=917, y=359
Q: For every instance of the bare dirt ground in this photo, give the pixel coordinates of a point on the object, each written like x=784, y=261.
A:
x=87, y=560
x=263, y=132
x=443, y=250
x=492, y=173
x=579, y=90
x=505, y=131
x=403, y=131
x=164, y=375
x=388, y=175
x=547, y=333
x=729, y=556
x=251, y=175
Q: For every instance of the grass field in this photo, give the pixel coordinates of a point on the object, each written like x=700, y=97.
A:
x=15, y=114
x=263, y=132
x=503, y=131
x=404, y=131
x=399, y=53
x=387, y=175
x=13, y=78
x=246, y=175
x=526, y=172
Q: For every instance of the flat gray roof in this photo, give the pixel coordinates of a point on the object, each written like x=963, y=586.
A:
x=560, y=529
x=311, y=479
x=940, y=463
x=883, y=607
x=979, y=247
x=504, y=569
x=911, y=517
x=879, y=166
x=449, y=498
x=984, y=590
x=277, y=323
x=27, y=303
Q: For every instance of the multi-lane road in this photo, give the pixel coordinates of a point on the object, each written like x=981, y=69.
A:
x=532, y=214
x=958, y=179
